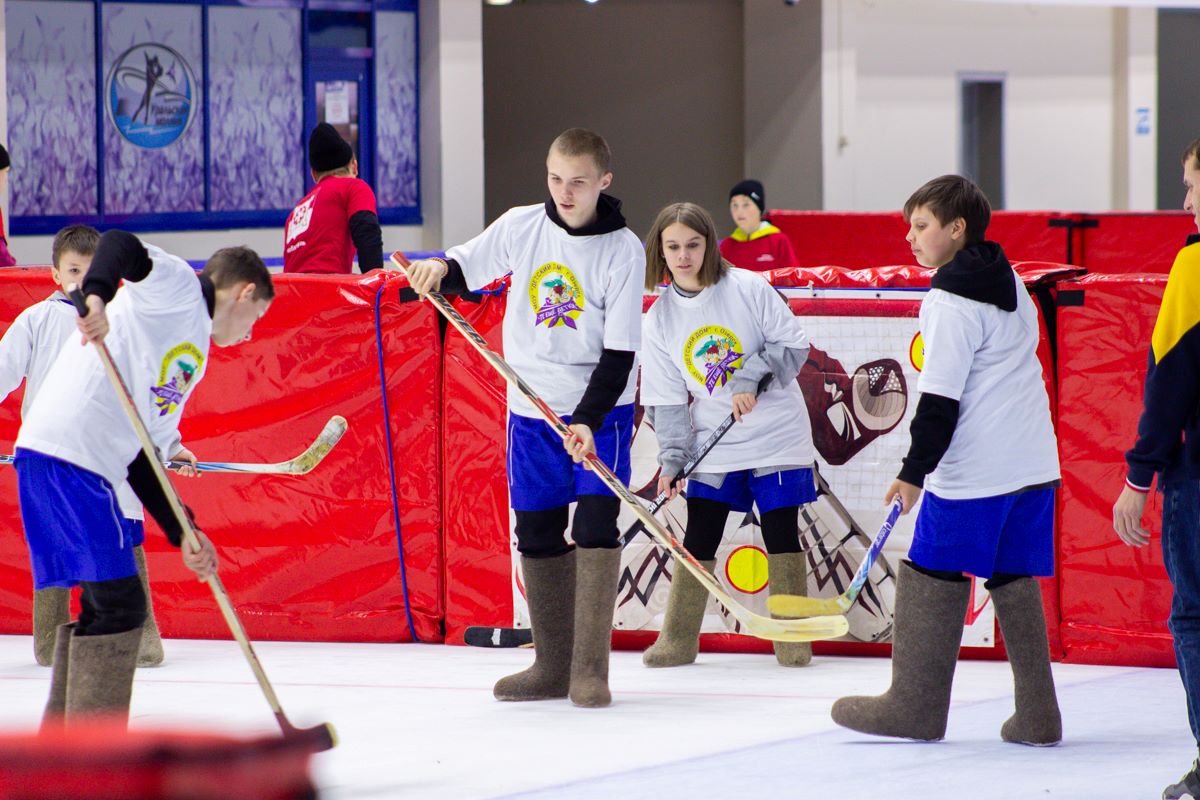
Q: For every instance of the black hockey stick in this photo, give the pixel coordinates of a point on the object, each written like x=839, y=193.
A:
x=688, y=468
x=323, y=736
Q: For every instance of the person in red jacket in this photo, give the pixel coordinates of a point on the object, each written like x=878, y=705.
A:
x=6, y=258
x=755, y=244
x=335, y=219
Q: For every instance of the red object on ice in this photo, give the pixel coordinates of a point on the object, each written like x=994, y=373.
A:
x=100, y=763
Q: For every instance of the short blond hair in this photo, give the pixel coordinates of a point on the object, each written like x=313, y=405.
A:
x=575, y=142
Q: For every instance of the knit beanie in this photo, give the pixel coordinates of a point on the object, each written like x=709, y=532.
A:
x=327, y=150
x=752, y=189
x=5, y=163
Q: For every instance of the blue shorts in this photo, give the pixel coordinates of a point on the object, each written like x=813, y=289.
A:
x=135, y=530
x=1009, y=533
x=739, y=490
x=73, y=525
x=541, y=475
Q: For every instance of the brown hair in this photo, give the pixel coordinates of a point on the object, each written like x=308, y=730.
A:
x=691, y=216
x=951, y=197
x=1193, y=154
x=230, y=266
x=574, y=142
x=81, y=239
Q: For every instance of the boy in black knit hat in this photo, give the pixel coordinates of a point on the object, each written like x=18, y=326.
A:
x=755, y=244
x=335, y=219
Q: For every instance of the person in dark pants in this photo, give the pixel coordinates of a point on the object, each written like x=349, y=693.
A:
x=1168, y=444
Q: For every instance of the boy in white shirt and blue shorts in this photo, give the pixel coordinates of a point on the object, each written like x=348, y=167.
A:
x=572, y=328
x=984, y=451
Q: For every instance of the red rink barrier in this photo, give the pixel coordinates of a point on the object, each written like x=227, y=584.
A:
x=1114, y=598
x=479, y=582
x=1114, y=242
x=311, y=557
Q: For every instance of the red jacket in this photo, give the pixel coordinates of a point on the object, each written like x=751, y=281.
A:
x=766, y=248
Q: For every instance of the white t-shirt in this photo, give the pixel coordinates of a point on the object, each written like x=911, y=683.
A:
x=571, y=297
x=159, y=331
x=986, y=358
x=29, y=348
x=694, y=345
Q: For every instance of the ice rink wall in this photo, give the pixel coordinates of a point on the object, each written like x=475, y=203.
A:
x=402, y=533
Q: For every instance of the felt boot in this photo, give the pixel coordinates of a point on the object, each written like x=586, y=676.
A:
x=56, y=704
x=787, y=573
x=550, y=591
x=1037, y=720
x=679, y=640
x=595, y=596
x=100, y=676
x=51, y=610
x=150, y=650
x=926, y=636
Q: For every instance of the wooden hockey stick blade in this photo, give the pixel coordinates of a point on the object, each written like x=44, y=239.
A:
x=780, y=630
x=189, y=532
x=791, y=605
x=302, y=464
x=481, y=636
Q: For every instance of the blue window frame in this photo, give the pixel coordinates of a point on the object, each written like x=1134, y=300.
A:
x=194, y=114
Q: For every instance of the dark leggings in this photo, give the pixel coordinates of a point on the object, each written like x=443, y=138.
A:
x=995, y=582
x=112, y=606
x=540, y=533
x=706, y=525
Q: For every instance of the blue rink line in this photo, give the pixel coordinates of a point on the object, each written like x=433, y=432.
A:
x=1125, y=737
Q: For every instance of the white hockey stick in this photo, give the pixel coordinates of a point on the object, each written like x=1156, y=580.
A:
x=789, y=605
x=782, y=630
x=302, y=464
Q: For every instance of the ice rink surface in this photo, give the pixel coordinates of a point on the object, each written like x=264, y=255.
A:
x=419, y=721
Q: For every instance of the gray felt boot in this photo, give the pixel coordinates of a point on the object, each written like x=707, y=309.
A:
x=550, y=592
x=595, y=596
x=787, y=573
x=150, y=650
x=100, y=676
x=927, y=633
x=56, y=704
x=679, y=640
x=51, y=610
x=1037, y=720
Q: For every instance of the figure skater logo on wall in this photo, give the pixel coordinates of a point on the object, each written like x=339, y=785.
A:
x=179, y=370
x=150, y=95
x=712, y=354
x=556, y=296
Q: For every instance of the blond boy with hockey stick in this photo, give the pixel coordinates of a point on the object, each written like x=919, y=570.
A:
x=572, y=327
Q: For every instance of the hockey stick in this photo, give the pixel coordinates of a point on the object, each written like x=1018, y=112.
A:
x=797, y=630
x=709, y=443
x=300, y=465
x=790, y=605
x=324, y=735
x=493, y=637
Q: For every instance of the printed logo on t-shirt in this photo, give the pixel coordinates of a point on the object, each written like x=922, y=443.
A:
x=179, y=369
x=766, y=257
x=556, y=296
x=712, y=354
x=301, y=217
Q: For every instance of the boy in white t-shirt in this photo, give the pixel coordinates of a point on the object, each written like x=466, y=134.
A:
x=572, y=328
x=27, y=350
x=983, y=447
x=76, y=444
